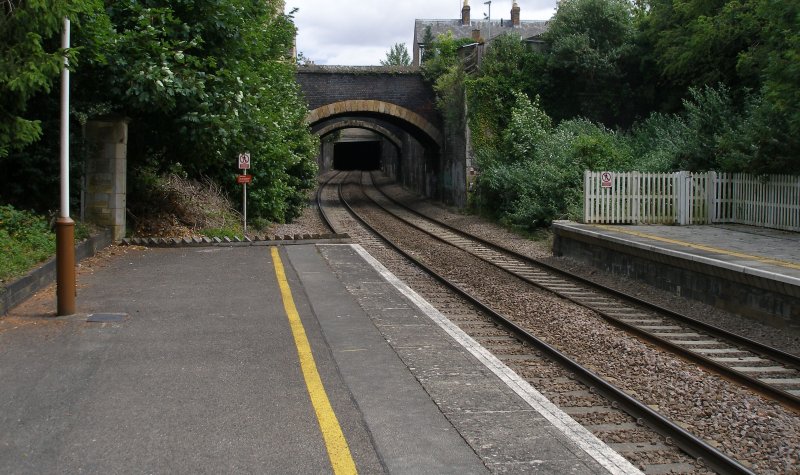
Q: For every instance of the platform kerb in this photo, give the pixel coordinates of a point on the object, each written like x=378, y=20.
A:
x=764, y=296
x=509, y=425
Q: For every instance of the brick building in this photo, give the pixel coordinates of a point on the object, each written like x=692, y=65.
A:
x=479, y=30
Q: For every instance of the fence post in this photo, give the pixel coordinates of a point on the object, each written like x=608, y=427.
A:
x=711, y=198
x=682, y=197
x=586, y=198
x=636, y=191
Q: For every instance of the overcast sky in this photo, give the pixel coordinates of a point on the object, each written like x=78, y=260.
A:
x=360, y=32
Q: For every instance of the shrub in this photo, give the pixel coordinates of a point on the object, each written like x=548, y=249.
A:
x=541, y=177
x=25, y=240
x=658, y=142
x=173, y=205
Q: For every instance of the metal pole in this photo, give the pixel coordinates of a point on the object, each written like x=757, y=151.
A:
x=244, y=200
x=65, y=226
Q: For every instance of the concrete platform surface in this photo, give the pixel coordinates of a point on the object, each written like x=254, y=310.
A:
x=192, y=367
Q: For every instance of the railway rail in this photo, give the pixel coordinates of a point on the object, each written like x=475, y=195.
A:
x=767, y=370
x=596, y=400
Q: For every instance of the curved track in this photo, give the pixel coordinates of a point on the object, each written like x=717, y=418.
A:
x=772, y=372
x=588, y=396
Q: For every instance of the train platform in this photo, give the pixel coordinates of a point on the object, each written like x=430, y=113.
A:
x=306, y=358
x=751, y=271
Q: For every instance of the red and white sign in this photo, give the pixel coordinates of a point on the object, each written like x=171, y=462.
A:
x=606, y=179
x=242, y=179
x=244, y=161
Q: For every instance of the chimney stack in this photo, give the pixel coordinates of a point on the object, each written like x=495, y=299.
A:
x=465, y=13
x=515, y=15
x=476, y=34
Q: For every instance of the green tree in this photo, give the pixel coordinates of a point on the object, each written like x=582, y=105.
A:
x=427, y=40
x=698, y=43
x=443, y=68
x=201, y=81
x=441, y=54
x=508, y=68
x=590, y=43
x=30, y=59
x=751, y=48
x=775, y=127
x=397, y=56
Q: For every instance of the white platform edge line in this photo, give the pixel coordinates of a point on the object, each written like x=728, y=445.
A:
x=594, y=447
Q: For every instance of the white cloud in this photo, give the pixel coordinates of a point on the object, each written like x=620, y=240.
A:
x=360, y=32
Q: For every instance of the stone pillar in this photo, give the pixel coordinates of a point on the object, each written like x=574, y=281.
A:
x=106, y=174
x=515, y=15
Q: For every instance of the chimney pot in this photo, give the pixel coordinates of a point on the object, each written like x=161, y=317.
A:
x=465, y=13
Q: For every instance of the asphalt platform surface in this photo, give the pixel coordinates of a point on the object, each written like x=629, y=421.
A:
x=191, y=367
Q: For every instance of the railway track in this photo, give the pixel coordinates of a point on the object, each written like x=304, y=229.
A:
x=649, y=440
x=766, y=370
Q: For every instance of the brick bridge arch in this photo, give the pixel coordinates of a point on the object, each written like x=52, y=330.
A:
x=359, y=124
x=384, y=110
x=399, y=100
x=398, y=96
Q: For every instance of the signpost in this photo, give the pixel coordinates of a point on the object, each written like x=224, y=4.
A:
x=244, y=179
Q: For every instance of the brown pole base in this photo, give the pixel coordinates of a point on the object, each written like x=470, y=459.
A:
x=65, y=266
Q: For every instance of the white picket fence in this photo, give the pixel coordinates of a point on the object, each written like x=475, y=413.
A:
x=771, y=201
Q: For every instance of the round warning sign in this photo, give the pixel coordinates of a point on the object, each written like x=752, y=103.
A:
x=244, y=161
x=606, y=179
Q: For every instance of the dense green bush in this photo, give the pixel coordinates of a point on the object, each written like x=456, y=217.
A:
x=25, y=240
x=540, y=177
x=658, y=141
x=678, y=85
x=201, y=82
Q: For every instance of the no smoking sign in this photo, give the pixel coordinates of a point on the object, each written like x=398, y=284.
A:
x=244, y=161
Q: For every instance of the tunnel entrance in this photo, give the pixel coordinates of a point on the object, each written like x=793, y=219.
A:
x=362, y=155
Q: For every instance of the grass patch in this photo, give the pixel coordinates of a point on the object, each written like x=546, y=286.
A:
x=222, y=232
x=25, y=241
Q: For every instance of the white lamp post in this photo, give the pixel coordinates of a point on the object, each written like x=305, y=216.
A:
x=65, y=226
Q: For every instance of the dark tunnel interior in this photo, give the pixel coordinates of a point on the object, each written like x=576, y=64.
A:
x=362, y=155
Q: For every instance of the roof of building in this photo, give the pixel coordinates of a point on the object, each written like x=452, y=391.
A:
x=488, y=28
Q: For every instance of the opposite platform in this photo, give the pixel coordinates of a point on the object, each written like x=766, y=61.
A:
x=200, y=374
x=746, y=270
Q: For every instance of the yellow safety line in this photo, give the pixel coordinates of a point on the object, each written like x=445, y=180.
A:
x=765, y=260
x=336, y=444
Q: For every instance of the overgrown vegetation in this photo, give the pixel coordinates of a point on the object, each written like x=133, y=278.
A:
x=25, y=240
x=174, y=205
x=651, y=85
x=200, y=81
